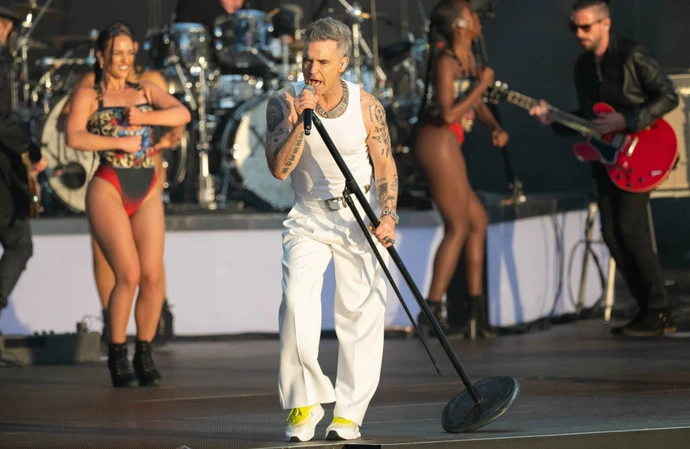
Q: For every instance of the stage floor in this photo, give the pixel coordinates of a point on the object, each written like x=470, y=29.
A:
x=580, y=387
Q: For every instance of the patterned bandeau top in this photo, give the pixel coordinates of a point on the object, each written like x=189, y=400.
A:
x=461, y=89
x=111, y=121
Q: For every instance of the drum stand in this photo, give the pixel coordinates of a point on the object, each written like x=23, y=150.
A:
x=207, y=190
x=28, y=27
x=358, y=42
x=50, y=65
x=481, y=403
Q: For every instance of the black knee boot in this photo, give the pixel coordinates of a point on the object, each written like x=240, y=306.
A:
x=144, y=367
x=120, y=370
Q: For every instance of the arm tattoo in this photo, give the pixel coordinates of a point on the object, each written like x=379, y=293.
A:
x=380, y=144
x=380, y=114
x=275, y=111
x=278, y=138
x=377, y=115
x=388, y=193
x=383, y=190
x=295, y=150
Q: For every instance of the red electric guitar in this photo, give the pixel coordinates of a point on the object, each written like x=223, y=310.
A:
x=637, y=162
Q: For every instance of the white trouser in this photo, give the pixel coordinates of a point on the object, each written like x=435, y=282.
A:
x=313, y=235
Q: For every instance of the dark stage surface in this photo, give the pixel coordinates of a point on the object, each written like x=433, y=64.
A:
x=581, y=388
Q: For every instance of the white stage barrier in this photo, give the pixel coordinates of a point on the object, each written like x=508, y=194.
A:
x=228, y=281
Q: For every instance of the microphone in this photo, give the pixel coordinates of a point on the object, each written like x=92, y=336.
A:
x=308, y=113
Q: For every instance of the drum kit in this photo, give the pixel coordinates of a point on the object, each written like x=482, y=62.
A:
x=225, y=76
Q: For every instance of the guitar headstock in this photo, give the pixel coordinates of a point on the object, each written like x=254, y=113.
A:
x=496, y=93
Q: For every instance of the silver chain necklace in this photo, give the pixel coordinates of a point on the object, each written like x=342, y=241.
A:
x=338, y=110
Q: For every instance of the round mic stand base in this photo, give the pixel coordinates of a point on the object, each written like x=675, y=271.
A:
x=480, y=403
x=462, y=414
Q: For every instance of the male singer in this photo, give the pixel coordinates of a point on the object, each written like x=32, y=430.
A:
x=321, y=227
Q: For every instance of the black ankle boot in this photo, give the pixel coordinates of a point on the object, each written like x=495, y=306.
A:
x=105, y=334
x=144, y=367
x=120, y=370
x=479, y=319
x=164, y=330
x=424, y=325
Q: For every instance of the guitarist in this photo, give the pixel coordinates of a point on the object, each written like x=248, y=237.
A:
x=623, y=74
x=15, y=234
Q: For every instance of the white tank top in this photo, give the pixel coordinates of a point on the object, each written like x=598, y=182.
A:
x=317, y=176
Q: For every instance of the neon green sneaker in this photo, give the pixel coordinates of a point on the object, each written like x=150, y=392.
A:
x=302, y=423
x=342, y=429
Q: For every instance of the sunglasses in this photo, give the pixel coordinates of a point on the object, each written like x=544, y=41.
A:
x=586, y=28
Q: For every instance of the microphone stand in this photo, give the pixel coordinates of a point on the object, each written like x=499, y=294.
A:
x=517, y=195
x=481, y=403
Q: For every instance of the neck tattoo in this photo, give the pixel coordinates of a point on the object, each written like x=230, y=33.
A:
x=339, y=109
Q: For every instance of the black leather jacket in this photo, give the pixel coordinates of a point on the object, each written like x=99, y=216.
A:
x=13, y=135
x=14, y=140
x=631, y=81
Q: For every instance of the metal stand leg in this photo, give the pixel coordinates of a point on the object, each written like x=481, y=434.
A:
x=481, y=403
x=610, y=283
x=589, y=231
x=610, y=276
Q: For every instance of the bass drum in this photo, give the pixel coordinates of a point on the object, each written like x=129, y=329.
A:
x=69, y=171
x=243, y=149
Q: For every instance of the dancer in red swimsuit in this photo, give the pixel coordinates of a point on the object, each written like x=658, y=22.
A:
x=458, y=86
x=104, y=276
x=125, y=211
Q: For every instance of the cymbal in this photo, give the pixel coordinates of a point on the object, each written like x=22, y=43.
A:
x=69, y=38
x=34, y=8
x=33, y=44
x=344, y=17
x=60, y=40
x=37, y=45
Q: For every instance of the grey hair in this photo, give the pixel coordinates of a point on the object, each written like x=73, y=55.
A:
x=329, y=29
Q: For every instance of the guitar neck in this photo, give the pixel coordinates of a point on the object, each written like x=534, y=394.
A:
x=557, y=115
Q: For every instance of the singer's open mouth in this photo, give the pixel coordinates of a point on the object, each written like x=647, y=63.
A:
x=314, y=82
